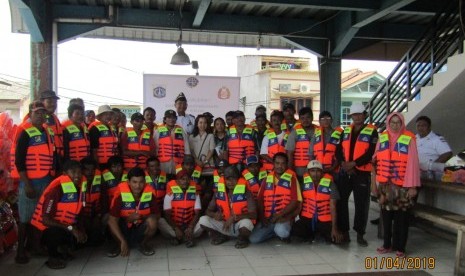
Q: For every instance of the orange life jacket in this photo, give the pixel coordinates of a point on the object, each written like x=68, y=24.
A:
x=325, y=154
x=240, y=145
x=128, y=203
x=108, y=142
x=183, y=204
x=362, y=144
x=316, y=198
x=40, y=152
x=391, y=164
x=196, y=174
x=79, y=144
x=69, y=206
x=254, y=183
x=112, y=183
x=93, y=194
x=237, y=204
x=53, y=122
x=273, y=147
x=302, y=144
x=277, y=196
x=168, y=148
x=159, y=186
x=137, y=143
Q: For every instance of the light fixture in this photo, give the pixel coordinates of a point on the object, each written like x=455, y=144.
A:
x=259, y=42
x=292, y=49
x=180, y=58
x=195, y=65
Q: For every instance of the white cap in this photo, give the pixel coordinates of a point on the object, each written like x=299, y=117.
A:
x=356, y=108
x=314, y=164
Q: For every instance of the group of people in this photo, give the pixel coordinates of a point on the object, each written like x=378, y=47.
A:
x=90, y=179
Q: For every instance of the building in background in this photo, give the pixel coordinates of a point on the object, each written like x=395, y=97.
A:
x=14, y=99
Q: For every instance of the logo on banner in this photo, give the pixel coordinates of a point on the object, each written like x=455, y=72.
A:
x=224, y=93
x=192, y=82
x=159, y=92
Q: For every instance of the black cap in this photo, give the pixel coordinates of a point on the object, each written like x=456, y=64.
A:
x=47, y=94
x=238, y=113
x=208, y=114
x=87, y=112
x=260, y=107
x=137, y=117
x=181, y=97
x=288, y=106
x=170, y=113
x=325, y=114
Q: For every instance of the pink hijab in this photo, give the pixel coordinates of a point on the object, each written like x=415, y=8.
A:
x=412, y=174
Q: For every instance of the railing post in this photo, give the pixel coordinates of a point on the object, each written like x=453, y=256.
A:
x=388, y=97
x=409, y=82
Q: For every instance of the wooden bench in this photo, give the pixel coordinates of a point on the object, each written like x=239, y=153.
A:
x=446, y=219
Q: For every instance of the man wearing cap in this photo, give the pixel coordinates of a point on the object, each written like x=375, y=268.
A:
x=274, y=141
x=259, y=110
x=289, y=120
x=355, y=153
x=318, y=214
x=34, y=159
x=149, y=119
x=298, y=142
x=240, y=141
x=103, y=137
x=49, y=99
x=186, y=121
x=172, y=144
x=232, y=210
x=218, y=173
x=136, y=144
x=209, y=117
x=76, y=143
x=277, y=203
x=181, y=208
x=324, y=143
x=254, y=174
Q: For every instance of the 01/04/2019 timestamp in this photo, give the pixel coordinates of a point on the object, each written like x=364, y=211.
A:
x=400, y=263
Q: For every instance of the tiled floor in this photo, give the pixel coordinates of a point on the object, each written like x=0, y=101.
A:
x=271, y=258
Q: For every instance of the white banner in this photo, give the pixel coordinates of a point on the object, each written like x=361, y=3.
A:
x=216, y=95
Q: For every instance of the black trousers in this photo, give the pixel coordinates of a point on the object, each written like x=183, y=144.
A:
x=360, y=184
x=396, y=225
x=53, y=237
x=303, y=229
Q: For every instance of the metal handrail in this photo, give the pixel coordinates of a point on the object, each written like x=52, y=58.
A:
x=442, y=39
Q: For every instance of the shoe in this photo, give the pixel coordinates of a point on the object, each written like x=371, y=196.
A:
x=219, y=239
x=190, y=244
x=242, y=243
x=285, y=240
x=146, y=250
x=114, y=251
x=382, y=250
x=400, y=254
x=361, y=241
x=54, y=263
x=374, y=221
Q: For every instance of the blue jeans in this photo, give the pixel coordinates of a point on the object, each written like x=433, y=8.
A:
x=27, y=206
x=262, y=233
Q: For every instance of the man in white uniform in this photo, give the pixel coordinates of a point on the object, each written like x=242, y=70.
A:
x=430, y=145
x=186, y=121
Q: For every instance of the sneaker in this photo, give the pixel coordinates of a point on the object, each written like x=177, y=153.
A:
x=361, y=241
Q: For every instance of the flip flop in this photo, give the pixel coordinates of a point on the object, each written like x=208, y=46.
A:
x=219, y=240
x=241, y=244
x=54, y=263
x=146, y=251
x=382, y=250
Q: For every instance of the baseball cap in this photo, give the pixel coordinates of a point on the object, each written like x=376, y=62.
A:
x=288, y=106
x=314, y=164
x=36, y=106
x=170, y=113
x=252, y=159
x=208, y=114
x=48, y=94
x=137, y=117
x=356, y=108
x=181, y=97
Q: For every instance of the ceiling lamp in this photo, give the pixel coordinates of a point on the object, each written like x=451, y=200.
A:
x=180, y=58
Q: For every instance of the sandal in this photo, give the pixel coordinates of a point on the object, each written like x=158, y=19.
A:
x=382, y=250
x=114, y=252
x=189, y=244
x=400, y=254
x=241, y=243
x=219, y=240
x=146, y=250
x=54, y=263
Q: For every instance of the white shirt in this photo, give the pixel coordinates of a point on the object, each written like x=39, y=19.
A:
x=169, y=198
x=431, y=147
x=186, y=122
x=264, y=148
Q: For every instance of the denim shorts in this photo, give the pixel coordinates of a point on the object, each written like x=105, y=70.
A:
x=27, y=206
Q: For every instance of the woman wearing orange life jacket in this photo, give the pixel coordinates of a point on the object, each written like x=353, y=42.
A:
x=76, y=143
x=398, y=176
x=274, y=141
x=136, y=144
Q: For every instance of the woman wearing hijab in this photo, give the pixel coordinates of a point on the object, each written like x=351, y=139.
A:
x=398, y=177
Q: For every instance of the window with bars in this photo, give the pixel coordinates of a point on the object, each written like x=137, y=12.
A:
x=297, y=102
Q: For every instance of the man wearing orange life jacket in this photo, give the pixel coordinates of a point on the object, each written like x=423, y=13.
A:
x=324, y=143
x=76, y=143
x=34, y=160
x=232, y=210
x=218, y=173
x=172, y=144
x=92, y=212
x=259, y=111
x=274, y=141
x=240, y=141
x=103, y=138
x=254, y=174
x=181, y=211
x=149, y=120
x=355, y=153
x=298, y=142
x=58, y=212
x=278, y=202
x=136, y=144
x=133, y=215
x=318, y=214
x=156, y=178
x=111, y=178
x=49, y=99
x=289, y=121
x=398, y=176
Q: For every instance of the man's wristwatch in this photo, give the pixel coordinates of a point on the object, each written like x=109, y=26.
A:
x=70, y=228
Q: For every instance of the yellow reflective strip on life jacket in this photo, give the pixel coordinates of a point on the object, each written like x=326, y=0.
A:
x=68, y=187
x=127, y=197
x=239, y=189
x=325, y=182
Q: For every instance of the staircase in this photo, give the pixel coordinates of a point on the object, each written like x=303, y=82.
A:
x=430, y=79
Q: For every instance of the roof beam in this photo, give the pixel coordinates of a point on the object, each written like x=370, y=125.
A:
x=201, y=11
x=387, y=6
x=315, y=46
x=353, y=5
x=30, y=14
